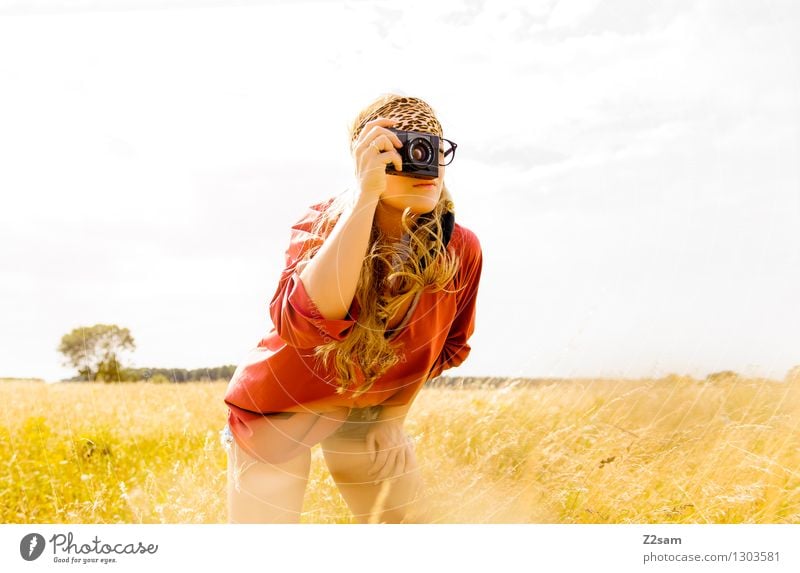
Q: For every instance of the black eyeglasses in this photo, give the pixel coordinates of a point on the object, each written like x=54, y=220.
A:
x=447, y=151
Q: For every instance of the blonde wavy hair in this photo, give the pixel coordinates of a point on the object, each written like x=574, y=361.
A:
x=391, y=273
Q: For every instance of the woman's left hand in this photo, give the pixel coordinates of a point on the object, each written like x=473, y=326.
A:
x=389, y=448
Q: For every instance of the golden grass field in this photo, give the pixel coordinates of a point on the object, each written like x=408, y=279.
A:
x=673, y=450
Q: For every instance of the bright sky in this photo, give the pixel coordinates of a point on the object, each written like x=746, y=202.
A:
x=631, y=169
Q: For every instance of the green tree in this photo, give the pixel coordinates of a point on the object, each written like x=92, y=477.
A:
x=159, y=379
x=94, y=351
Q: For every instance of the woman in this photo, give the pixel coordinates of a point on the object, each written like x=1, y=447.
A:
x=377, y=297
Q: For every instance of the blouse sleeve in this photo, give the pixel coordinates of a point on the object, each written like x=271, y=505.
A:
x=456, y=349
x=295, y=316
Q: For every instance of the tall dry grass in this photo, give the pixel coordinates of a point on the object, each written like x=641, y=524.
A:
x=585, y=451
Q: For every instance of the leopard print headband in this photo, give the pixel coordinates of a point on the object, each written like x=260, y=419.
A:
x=412, y=114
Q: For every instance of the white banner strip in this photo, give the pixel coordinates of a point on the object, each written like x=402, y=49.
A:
x=400, y=548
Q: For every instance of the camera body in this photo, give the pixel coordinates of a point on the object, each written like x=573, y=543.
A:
x=420, y=153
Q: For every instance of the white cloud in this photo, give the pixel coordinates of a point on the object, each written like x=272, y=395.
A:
x=568, y=13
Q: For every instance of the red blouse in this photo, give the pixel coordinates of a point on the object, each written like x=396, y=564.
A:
x=281, y=374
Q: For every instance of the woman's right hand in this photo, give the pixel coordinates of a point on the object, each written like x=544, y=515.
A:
x=374, y=150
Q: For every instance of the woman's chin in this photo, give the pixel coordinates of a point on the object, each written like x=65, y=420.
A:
x=422, y=203
x=418, y=201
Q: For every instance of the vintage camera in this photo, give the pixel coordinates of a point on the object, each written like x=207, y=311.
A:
x=420, y=153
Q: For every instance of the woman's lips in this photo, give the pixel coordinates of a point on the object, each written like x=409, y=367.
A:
x=425, y=185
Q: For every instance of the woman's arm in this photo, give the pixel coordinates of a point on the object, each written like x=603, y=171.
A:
x=331, y=276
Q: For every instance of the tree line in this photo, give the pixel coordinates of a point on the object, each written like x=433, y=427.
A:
x=95, y=351
x=162, y=375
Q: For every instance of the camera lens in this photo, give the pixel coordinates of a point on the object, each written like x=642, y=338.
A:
x=420, y=151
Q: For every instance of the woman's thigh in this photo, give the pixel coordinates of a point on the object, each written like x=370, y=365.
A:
x=260, y=492
x=393, y=500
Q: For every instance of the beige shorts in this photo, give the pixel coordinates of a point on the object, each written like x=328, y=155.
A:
x=358, y=422
x=355, y=426
x=275, y=444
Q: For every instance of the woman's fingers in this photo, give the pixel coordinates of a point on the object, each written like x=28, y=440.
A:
x=389, y=467
x=374, y=150
x=396, y=462
x=381, y=143
x=371, y=446
x=380, y=136
x=380, y=461
x=381, y=130
x=400, y=468
x=390, y=450
x=392, y=157
x=383, y=146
